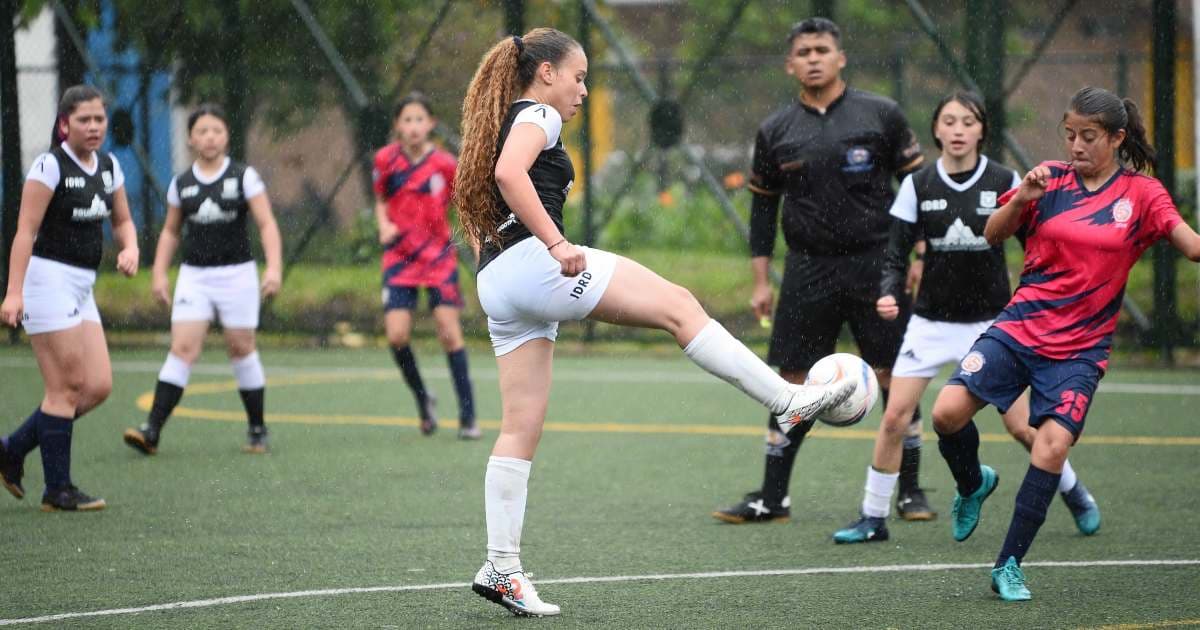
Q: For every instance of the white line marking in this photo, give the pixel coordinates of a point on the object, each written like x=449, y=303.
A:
x=896, y=568
x=669, y=375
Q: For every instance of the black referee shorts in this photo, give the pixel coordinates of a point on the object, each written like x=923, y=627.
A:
x=821, y=293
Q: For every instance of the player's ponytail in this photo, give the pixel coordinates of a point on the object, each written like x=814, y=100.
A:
x=70, y=100
x=505, y=71
x=1114, y=114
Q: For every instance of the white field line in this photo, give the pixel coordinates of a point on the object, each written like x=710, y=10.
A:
x=898, y=568
x=669, y=376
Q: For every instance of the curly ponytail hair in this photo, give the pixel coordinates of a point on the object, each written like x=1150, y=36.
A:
x=1114, y=114
x=504, y=73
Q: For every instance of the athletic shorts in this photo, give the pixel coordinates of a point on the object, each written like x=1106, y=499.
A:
x=997, y=370
x=229, y=293
x=820, y=294
x=57, y=296
x=405, y=298
x=525, y=294
x=930, y=344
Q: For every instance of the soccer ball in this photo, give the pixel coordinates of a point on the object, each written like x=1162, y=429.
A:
x=836, y=367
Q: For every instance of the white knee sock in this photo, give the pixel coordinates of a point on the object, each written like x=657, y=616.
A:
x=723, y=356
x=505, y=486
x=877, y=500
x=248, y=371
x=1068, y=478
x=175, y=371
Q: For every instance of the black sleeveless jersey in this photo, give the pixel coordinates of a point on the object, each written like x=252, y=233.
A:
x=965, y=278
x=552, y=175
x=214, y=218
x=72, y=231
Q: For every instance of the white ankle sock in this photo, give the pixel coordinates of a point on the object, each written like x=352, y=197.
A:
x=877, y=500
x=1068, y=478
x=505, y=486
x=723, y=356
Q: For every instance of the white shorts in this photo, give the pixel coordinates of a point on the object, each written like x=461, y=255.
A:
x=525, y=294
x=928, y=345
x=57, y=296
x=228, y=292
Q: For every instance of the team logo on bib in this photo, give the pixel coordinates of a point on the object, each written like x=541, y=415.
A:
x=231, y=189
x=106, y=177
x=973, y=362
x=1122, y=211
x=987, y=199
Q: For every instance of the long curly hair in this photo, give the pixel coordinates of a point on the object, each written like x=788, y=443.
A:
x=504, y=73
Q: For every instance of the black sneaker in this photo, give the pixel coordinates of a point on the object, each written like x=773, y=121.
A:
x=865, y=529
x=256, y=441
x=429, y=415
x=143, y=439
x=754, y=509
x=12, y=470
x=912, y=505
x=70, y=499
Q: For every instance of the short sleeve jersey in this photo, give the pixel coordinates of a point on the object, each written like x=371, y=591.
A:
x=552, y=174
x=214, y=213
x=1080, y=247
x=834, y=171
x=72, y=230
x=965, y=279
x=417, y=194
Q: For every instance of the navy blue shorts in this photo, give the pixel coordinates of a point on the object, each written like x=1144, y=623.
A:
x=997, y=372
x=406, y=297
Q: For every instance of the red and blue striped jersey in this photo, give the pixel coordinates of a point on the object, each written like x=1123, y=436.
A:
x=418, y=199
x=1080, y=247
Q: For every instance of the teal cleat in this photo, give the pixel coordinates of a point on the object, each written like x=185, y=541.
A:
x=865, y=529
x=1083, y=507
x=1008, y=581
x=964, y=514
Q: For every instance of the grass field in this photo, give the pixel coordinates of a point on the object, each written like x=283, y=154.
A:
x=637, y=452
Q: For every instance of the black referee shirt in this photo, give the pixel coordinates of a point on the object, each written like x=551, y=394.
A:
x=833, y=170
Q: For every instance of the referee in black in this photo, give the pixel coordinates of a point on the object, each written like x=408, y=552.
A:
x=830, y=155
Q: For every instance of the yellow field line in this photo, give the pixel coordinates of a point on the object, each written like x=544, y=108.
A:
x=145, y=400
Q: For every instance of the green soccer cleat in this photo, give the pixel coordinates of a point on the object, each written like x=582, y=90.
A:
x=964, y=514
x=865, y=529
x=1083, y=507
x=1008, y=581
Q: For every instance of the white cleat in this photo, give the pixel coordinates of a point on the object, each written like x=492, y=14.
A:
x=512, y=590
x=809, y=401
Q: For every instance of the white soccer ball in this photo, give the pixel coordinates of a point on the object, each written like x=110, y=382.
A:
x=837, y=367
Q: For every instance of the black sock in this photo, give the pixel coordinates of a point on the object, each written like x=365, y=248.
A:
x=54, y=435
x=961, y=451
x=462, y=386
x=166, y=396
x=252, y=400
x=22, y=441
x=408, y=368
x=910, y=467
x=1033, y=499
x=781, y=456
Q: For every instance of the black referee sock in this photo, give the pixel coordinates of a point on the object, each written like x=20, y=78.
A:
x=462, y=386
x=780, y=459
x=408, y=368
x=961, y=451
x=1033, y=499
x=253, y=400
x=166, y=396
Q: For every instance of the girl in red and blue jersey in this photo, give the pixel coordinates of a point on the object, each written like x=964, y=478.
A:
x=413, y=186
x=1086, y=223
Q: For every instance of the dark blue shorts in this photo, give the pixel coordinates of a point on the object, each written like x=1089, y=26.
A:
x=406, y=297
x=997, y=371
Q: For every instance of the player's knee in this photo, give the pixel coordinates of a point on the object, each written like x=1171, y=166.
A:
x=895, y=423
x=96, y=391
x=398, y=338
x=186, y=349
x=948, y=418
x=238, y=348
x=681, y=307
x=449, y=337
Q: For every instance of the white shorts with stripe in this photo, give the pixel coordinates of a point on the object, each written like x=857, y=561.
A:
x=228, y=293
x=929, y=344
x=525, y=294
x=57, y=296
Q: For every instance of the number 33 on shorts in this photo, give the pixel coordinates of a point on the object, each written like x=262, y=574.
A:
x=1074, y=405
